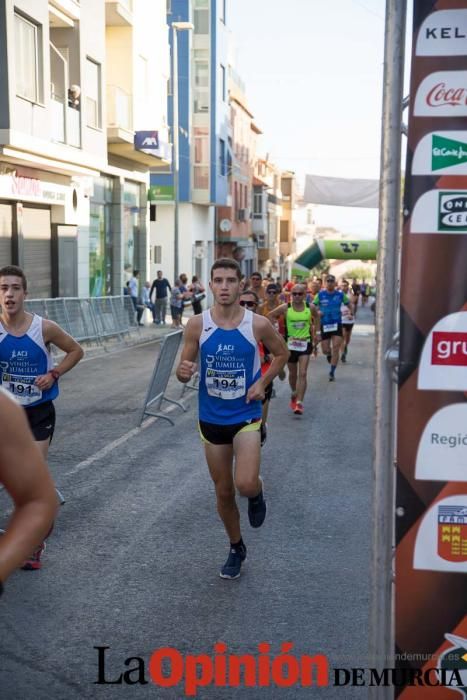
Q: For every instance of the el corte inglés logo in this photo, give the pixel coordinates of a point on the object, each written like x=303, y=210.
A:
x=452, y=212
x=447, y=152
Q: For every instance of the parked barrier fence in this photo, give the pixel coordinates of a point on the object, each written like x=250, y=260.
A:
x=92, y=319
x=160, y=378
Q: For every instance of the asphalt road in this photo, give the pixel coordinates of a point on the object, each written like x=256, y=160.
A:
x=134, y=559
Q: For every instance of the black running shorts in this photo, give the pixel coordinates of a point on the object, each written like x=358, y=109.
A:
x=41, y=420
x=215, y=434
x=326, y=336
x=295, y=354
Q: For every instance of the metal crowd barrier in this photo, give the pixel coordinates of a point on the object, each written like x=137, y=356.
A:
x=92, y=319
x=160, y=379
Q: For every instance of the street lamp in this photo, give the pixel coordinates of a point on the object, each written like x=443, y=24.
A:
x=176, y=27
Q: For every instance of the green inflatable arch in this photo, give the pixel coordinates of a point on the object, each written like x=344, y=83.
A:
x=334, y=250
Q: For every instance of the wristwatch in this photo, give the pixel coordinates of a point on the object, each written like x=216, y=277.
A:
x=55, y=374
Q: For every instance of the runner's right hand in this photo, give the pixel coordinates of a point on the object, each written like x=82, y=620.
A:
x=186, y=370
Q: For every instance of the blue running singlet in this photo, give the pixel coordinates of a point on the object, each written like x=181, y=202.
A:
x=22, y=359
x=329, y=303
x=230, y=364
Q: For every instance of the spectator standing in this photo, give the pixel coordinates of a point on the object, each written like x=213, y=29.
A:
x=186, y=294
x=146, y=298
x=176, y=304
x=134, y=293
x=160, y=285
x=197, y=290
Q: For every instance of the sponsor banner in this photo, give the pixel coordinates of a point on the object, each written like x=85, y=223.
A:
x=333, y=250
x=441, y=542
x=161, y=193
x=442, y=450
x=443, y=33
x=440, y=211
x=443, y=152
x=442, y=94
x=431, y=486
x=443, y=363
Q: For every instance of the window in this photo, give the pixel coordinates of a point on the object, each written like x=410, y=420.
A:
x=201, y=177
x=93, y=92
x=201, y=79
x=223, y=10
x=284, y=232
x=258, y=205
x=157, y=254
x=201, y=21
x=223, y=84
x=201, y=139
x=286, y=187
x=222, y=163
x=28, y=59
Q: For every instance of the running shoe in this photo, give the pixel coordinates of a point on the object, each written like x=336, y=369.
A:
x=257, y=510
x=34, y=561
x=298, y=409
x=264, y=433
x=232, y=566
x=331, y=377
x=343, y=358
x=293, y=402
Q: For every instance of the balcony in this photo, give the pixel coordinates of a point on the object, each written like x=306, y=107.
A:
x=119, y=13
x=63, y=13
x=66, y=123
x=119, y=115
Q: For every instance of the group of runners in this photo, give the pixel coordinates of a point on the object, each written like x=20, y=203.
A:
x=238, y=346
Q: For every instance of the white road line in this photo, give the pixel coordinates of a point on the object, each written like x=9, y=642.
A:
x=110, y=447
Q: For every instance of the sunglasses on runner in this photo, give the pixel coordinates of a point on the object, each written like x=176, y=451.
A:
x=272, y=291
x=250, y=304
x=297, y=294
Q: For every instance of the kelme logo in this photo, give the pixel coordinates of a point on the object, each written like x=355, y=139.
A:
x=452, y=211
x=447, y=152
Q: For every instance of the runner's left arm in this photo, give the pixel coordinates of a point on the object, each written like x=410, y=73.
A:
x=346, y=301
x=52, y=333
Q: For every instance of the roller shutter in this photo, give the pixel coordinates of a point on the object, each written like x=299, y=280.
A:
x=37, y=249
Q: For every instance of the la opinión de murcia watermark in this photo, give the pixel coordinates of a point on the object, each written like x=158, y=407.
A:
x=169, y=668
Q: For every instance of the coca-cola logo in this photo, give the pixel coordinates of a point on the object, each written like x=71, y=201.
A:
x=441, y=95
x=449, y=348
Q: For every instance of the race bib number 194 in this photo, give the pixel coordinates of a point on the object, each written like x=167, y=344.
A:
x=225, y=384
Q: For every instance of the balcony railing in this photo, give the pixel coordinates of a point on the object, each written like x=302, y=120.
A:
x=66, y=123
x=119, y=108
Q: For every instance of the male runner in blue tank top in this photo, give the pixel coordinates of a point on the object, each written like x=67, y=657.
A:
x=231, y=389
x=27, y=369
x=329, y=302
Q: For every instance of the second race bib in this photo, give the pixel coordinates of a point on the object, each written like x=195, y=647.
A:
x=329, y=327
x=297, y=344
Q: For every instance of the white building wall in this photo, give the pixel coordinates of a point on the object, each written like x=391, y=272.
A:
x=196, y=224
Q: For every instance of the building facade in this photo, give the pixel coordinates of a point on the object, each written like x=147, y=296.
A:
x=203, y=119
x=73, y=175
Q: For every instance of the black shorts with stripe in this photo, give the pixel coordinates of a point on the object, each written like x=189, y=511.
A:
x=41, y=419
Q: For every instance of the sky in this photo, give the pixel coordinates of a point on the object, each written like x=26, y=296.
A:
x=313, y=71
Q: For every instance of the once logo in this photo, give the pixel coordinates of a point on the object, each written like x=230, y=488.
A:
x=443, y=94
x=452, y=214
x=449, y=348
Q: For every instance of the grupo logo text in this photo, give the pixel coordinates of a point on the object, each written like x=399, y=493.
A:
x=449, y=348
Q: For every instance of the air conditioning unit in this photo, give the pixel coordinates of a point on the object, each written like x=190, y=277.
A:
x=261, y=240
x=200, y=252
x=243, y=214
